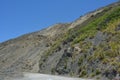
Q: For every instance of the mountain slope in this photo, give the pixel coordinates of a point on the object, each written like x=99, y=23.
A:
x=87, y=47
x=23, y=53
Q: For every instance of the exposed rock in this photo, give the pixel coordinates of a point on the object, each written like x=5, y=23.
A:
x=87, y=47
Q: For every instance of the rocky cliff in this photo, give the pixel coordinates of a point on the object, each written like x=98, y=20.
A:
x=88, y=47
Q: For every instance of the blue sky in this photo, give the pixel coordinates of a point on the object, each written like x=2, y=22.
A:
x=18, y=17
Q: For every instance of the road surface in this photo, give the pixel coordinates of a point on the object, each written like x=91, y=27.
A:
x=35, y=76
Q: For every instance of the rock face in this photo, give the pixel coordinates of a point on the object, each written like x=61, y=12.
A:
x=23, y=53
x=87, y=47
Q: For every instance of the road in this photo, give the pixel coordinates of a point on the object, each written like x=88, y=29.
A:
x=35, y=76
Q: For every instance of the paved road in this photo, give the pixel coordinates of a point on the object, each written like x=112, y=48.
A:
x=35, y=76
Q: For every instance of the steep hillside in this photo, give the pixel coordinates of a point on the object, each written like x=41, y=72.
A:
x=23, y=53
x=88, y=47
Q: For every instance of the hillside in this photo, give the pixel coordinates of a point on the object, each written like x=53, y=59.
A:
x=88, y=47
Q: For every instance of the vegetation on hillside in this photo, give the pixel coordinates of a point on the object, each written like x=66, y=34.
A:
x=94, y=59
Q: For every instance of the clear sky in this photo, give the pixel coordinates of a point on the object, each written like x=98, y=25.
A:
x=18, y=17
